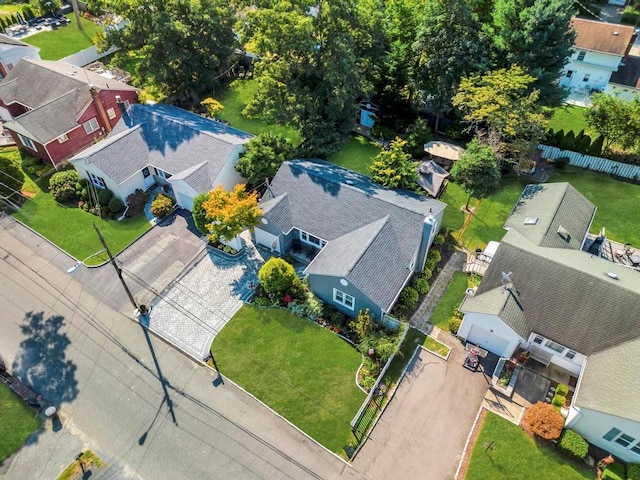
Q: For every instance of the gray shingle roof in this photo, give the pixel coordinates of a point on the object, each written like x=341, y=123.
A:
x=168, y=138
x=7, y=40
x=431, y=176
x=554, y=205
x=57, y=92
x=567, y=295
x=333, y=203
x=610, y=382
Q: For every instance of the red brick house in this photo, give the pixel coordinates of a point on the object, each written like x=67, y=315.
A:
x=54, y=110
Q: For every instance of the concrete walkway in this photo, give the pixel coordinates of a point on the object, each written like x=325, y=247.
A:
x=420, y=319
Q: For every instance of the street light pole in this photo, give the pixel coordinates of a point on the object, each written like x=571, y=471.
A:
x=115, y=265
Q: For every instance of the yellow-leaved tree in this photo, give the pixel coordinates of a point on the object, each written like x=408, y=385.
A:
x=226, y=214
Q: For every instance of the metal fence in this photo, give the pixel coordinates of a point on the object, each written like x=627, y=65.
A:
x=87, y=56
x=597, y=164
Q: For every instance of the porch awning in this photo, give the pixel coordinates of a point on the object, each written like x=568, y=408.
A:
x=540, y=355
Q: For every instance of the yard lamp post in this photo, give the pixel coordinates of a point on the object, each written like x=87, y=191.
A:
x=139, y=308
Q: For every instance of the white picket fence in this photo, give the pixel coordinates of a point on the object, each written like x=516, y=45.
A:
x=87, y=56
x=597, y=164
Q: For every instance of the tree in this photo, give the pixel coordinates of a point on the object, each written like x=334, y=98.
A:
x=183, y=45
x=448, y=46
x=265, y=153
x=477, y=171
x=417, y=134
x=227, y=214
x=363, y=324
x=277, y=277
x=198, y=213
x=11, y=178
x=49, y=7
x=394, y=168
x=543, y=421
x=537, y=35
x=212, y=106
x=503, y=109
x=616, y=120
x=313, y=68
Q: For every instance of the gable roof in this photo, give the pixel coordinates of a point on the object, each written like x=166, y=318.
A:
x=186, y=145
x=602, y=36
x=552, y=205
x=431, y=176
x=7, y=40
x=55, y=92
x=629, y=74
x=372, y=233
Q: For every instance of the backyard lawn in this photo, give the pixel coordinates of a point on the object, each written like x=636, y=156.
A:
x=567, y=118
x=71, y=228
x=17, y=422
x=452, y=297
x=299, y=369
x=356, y=155
x=64, y=41
x=235, y=97
x=517, y=456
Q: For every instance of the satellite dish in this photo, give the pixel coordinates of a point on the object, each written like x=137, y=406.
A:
x=506, y=277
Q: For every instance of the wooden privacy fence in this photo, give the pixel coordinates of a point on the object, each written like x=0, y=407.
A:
x=597, y=164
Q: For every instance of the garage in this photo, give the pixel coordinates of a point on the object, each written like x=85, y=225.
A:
x=185, y=201
x=487, y=340
x=267, y=240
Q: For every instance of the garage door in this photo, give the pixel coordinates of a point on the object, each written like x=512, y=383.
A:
x=487, y=340
x=267, y=240
x=185, y=201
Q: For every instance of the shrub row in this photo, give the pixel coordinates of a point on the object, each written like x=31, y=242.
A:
x=581, y=143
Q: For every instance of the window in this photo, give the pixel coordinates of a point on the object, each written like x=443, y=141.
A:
x=344, y=299
x=91, y=125
x=636, y=448
x=570, y=354
x=111, y=113
x=126, y=104
x=27, y=142
x=625, y=440
x=310, y=239
x=538, y=340
x=556, y=347
x=586, y=77
x=162, y=173
x=97, y=181
x=62, y=138
x=581, y=55
x=611, y=434
x=569, y=73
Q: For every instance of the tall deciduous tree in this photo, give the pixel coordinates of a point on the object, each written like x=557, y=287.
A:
x=616, y=120
x=394, y=167
x=537, y=35
x=501, y=107
x=477, y=171
x=315, y=65
x=265, y=153
x=227, y=214
x=448, y=46
x=184, y=45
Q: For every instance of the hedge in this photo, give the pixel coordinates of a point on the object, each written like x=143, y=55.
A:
x=614, y=471
x=573, y=445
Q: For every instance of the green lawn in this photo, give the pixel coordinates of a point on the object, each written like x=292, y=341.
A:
x=452, y=297
x=518, y=457
x=235, y=97
x=412, y=339
x=64, y=41
x=300, y=370
x=356, y=155
x=436, y=347
x=567, y=118
x=71, y=228
x=17, y=422
x=456, y=198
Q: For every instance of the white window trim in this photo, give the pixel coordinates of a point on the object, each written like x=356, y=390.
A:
x=111, y=113
x=90, y=123
x=27, y=142
x=306, y=240
x=62, y=138
x=630, y=447
x=97, y=181
x=345, y=297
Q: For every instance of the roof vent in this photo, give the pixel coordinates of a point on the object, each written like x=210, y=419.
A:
x=616, y=33
x=349, y=182
x=564, y=233
x=612, y=275
x=531, y=220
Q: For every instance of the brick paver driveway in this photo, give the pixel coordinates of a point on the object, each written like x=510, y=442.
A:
x=423, y=431
x=199, y=303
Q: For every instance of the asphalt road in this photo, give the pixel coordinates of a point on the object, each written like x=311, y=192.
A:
x=146, y=406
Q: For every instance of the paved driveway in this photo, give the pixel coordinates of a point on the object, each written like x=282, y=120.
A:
x=423, y=431
x=199, y=303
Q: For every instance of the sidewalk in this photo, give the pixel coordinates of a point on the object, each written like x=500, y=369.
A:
x=420, y=319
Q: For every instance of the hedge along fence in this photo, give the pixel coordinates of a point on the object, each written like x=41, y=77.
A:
x=597, y=164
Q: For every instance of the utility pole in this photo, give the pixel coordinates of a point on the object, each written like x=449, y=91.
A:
x=115, y=265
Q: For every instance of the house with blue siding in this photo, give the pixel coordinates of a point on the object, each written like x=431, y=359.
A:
x=361, y=242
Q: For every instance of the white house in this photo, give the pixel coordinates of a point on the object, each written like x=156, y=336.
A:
x=168, y=146
x=599, y=50
x=543, y=293
x=12, y=50
x=625, y=83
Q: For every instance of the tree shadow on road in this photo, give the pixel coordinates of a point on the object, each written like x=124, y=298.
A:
x=41, y=363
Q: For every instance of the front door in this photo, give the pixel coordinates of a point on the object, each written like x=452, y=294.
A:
x=148, y=178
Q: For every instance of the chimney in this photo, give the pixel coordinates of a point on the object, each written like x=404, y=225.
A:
x=100, y=107
x=429, y=230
